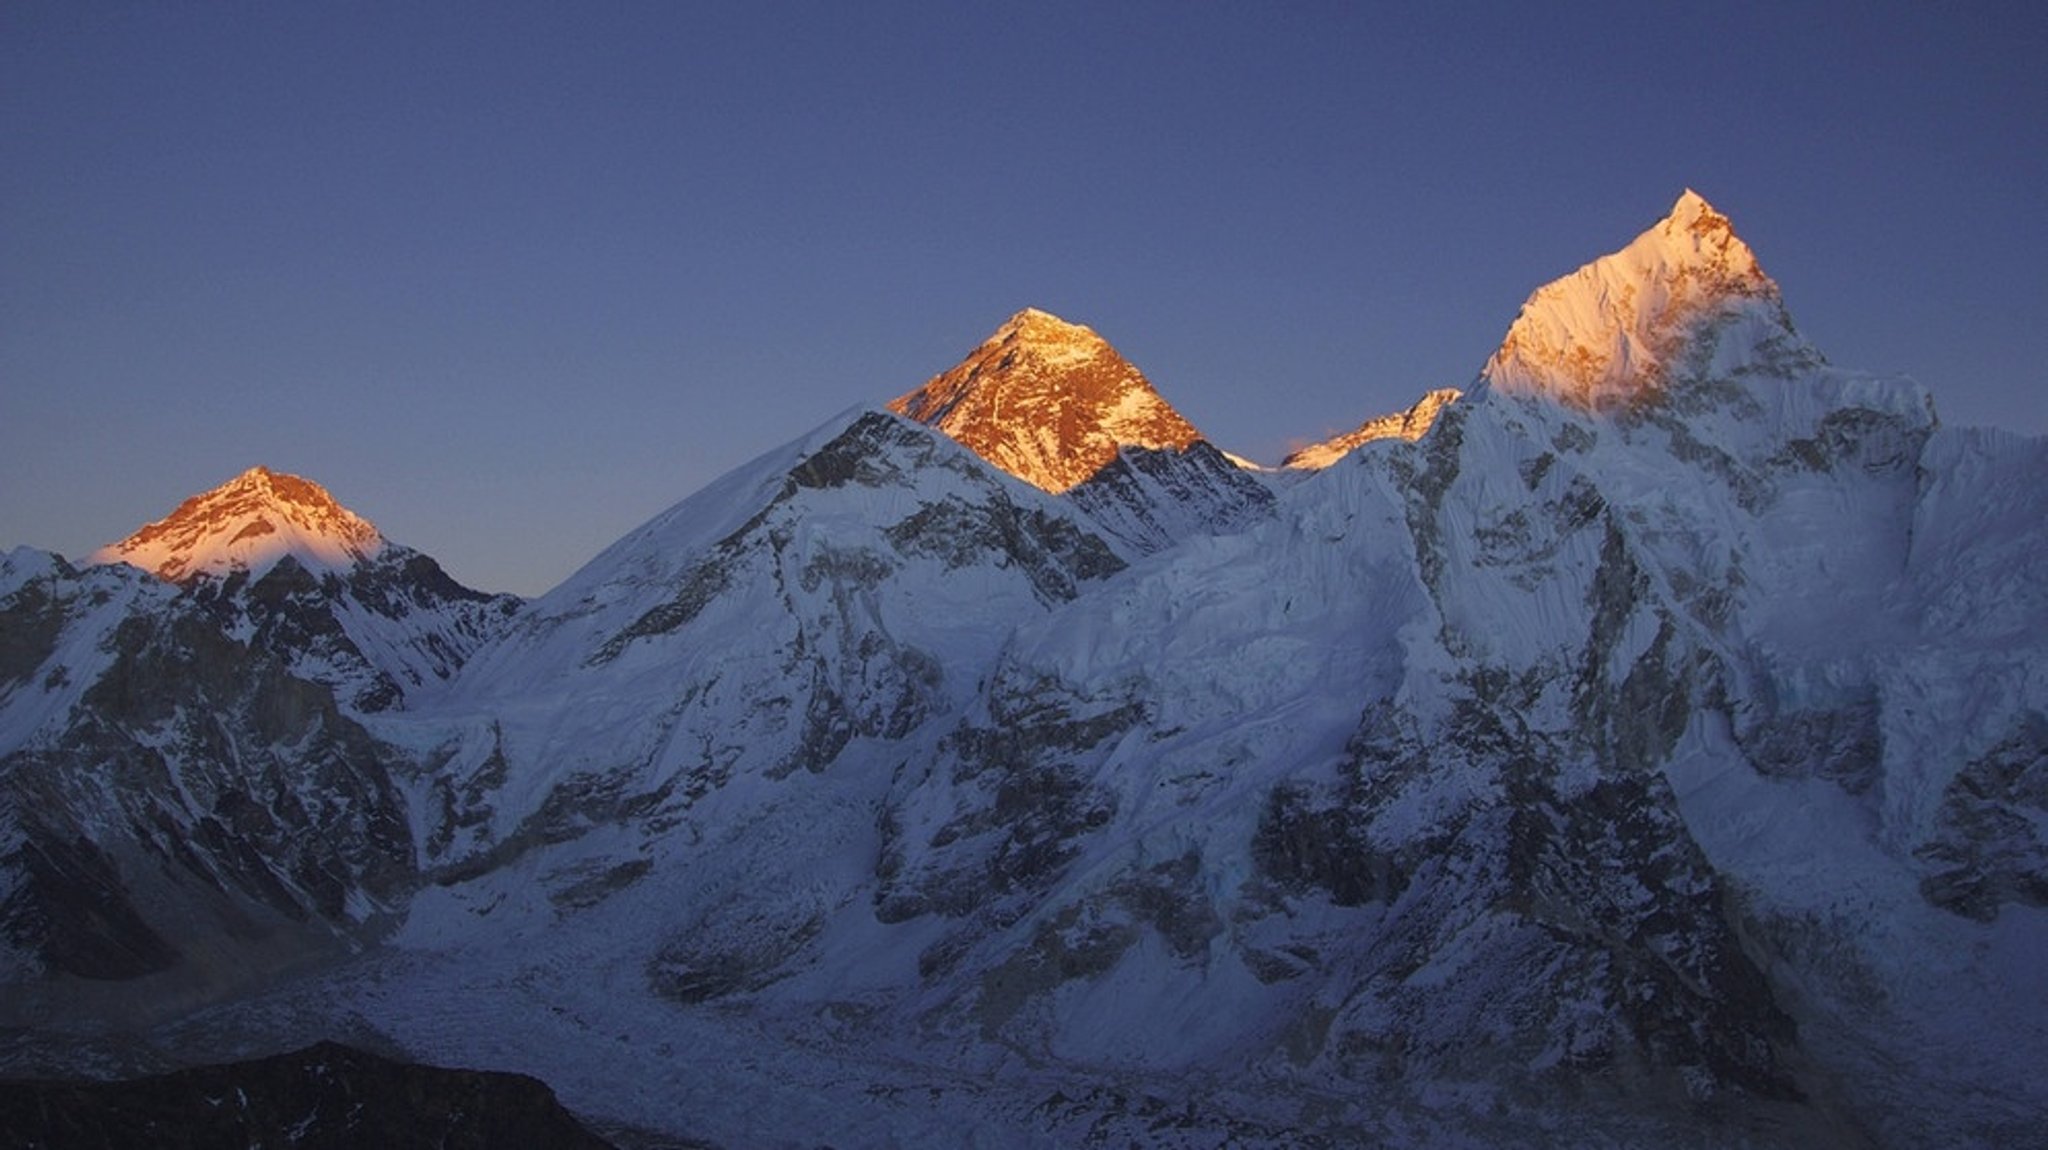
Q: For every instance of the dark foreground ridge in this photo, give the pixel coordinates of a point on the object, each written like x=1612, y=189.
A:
x=327, y=1095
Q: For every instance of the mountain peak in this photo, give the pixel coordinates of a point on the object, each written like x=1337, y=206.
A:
x=249, y=523
x=1044, y=321
x=1692, y=206
x=1047, y=401
x=1410, y=425
x=1694, y=234
x=1611, y=330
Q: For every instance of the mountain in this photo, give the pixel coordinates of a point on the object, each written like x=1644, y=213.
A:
x=182, y=814
x=248, y=524
x=283, y=565
x=1047, y=401
x=1147, y=500
x=1410, y=425
x=1053, y=404
x=1647, y=750
x=837, y=593
x=1686, y=296
x=192, y=801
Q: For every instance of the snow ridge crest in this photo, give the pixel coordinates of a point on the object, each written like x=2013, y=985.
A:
x=1409, y=425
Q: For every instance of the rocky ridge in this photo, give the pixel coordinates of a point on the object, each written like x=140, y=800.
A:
x=1591, y=763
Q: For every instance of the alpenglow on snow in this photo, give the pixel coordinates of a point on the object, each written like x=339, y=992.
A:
x=1643, y=744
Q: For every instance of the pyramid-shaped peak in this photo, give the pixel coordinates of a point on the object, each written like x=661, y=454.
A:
x=1050, y=402
x=249, y=523
x=1612, y=330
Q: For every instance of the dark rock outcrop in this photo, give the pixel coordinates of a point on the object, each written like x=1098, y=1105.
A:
x=327, y=1095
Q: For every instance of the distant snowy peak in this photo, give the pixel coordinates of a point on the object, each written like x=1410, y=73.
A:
x=1409, y=425
x=249, y=523
x=1049, y=402
x=1620, y=325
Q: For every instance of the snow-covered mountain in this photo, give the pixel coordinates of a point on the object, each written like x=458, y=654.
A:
x=248, y=524
x=1686, y=297
x=191, y=800
x=1053, y=404
x=1410, y=425
x=839, y=592
x=181, y=814
x=1642, y=747
x=284, y=566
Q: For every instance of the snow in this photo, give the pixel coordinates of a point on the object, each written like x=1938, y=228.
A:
x=1804, y=851
x=886, y=654
x=1057, y=344
x=249, y=523
x=1598, y=337
x=92, y=605
x=1410, y=425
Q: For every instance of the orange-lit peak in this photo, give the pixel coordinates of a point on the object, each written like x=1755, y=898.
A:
x=1410, y=425
x=249, y=523
x=1040, y=320
x=1049, y=338
x=1691, y=207
x=1608, y=332
x=1048, y=401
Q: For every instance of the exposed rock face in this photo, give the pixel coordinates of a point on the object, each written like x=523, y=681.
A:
x=1990, y=846
x=324, y=1096
x=1148, y=501
x=190, y=796
x=1585, y=874
x=195, y=791
x=1054, y=405
x=1049, y=402
x=376, y=632
x=1647, y=751
x=281, y=564
x=1011, y=801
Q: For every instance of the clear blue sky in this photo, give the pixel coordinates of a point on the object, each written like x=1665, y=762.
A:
x=511, y=277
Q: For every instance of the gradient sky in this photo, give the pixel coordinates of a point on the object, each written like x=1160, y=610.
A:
x=509, y=278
